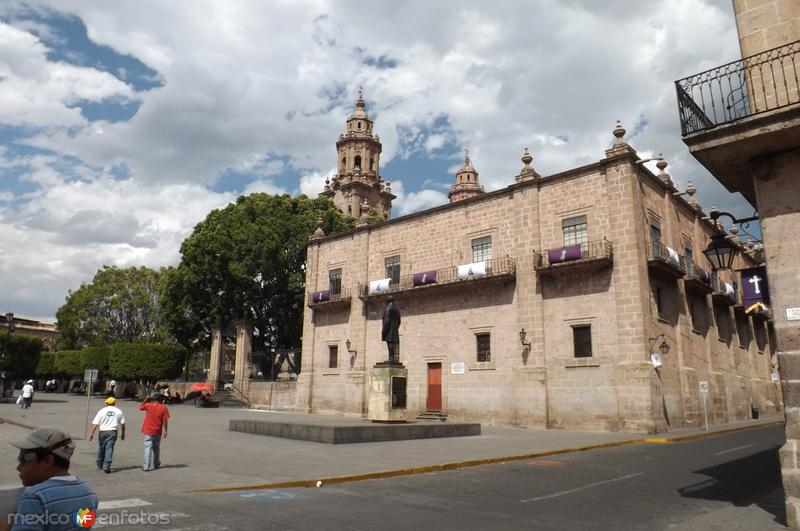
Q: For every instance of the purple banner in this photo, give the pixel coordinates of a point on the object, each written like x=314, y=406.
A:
x=564, y=254
x=754, y=286
x=321, y=296
x=427, y=277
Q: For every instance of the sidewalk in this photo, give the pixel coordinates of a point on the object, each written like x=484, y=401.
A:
x=200, y=453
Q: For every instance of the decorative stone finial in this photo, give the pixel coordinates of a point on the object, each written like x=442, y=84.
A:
x=526, y=160
x=619, y=133
x=690, y=189
x=663, y=175
x=327, y=184
x=734, y=230
x=389, y=187
x=318, y=232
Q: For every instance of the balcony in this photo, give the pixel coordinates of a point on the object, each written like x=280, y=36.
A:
x=498, y=270
x=579, y=258
x=737, y=112
x=664, y=261
x=327, y=301
x=724, y=292
x=737, y=90
x=697, y=279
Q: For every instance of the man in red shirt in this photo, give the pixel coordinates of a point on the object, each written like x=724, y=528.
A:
x=156, y=415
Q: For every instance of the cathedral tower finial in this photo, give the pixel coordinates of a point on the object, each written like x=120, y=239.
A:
x=466, y=184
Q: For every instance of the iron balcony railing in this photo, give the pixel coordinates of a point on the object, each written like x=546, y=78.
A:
x=695, y=272
x=325, y=296
x=726, y=290
x=760, y=83
x=449, y=275
x=660, y=253
x=579, y=253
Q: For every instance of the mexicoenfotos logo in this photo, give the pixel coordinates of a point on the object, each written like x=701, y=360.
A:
x=84, y=517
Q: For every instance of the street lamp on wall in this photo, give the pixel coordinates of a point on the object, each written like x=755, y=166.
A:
x=663, y=349
x=353, y=353
x=721, y=252
x=522, y=335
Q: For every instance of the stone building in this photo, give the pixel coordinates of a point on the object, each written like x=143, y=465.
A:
x=741, y=120
x=540, y=304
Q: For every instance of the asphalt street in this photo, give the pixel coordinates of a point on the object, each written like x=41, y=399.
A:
x=730, y=481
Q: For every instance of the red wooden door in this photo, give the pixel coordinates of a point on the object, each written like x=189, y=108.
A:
x=434, y=387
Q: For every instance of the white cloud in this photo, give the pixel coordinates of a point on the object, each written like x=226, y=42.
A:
x=406, y=203
x=264, y=89
x=36, y=91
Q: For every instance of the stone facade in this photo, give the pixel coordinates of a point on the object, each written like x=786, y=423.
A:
x=759, y=155
x=534, y=338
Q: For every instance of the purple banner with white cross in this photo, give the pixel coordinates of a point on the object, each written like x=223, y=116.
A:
x=564, y=254
x=755, y=287
x=427, y=277
x=321, y=296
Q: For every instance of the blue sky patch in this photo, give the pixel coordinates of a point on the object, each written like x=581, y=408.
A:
x=69, y=42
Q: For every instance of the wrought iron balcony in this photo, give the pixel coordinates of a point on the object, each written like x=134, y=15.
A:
x=665, y=261
x=697, y=278
x=574, y=258
x=753, y=85
x=725, y=292
x=325, y=300
x=498, y=269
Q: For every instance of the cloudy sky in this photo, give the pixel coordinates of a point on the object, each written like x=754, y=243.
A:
x=123, y=123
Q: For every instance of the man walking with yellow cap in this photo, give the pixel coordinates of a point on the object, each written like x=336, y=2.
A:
x=110, y=420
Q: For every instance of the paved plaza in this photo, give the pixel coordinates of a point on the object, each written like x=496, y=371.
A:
x=202, y=454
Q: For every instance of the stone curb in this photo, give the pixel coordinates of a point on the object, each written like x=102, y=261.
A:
x=474, y=462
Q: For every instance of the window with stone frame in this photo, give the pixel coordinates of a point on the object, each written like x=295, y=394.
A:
x=482, y=249
x=658, y=297
x=760, y=329
x=484, y=347
x=743, y=330
x=392, y=264
x=582, y=341
x=333, y=356
x=723, y=320
x=575, y=231
x=335, y=281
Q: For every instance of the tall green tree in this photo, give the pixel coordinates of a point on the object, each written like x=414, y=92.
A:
x=117, y=305
x=247, y=260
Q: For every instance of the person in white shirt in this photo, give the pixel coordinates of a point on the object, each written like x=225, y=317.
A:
x=110, y=420
x=27, y=394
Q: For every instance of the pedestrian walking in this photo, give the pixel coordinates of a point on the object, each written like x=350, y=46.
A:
x=54, y=496
x=111, y=422
x=154, y=426
x=27, y=394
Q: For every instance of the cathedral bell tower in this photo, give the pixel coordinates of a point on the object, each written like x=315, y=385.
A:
x=357, y=187
x=466, y=184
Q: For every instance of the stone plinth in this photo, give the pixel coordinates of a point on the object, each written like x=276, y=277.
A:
x=387, y=393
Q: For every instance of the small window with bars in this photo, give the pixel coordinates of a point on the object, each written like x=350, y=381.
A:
x=333, y=356
x=393, y=269
x=482, y=249
x=484, y=344
x=335, y=281
x=575, y=231
x=582, y=341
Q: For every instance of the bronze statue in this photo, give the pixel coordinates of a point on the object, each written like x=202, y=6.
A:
x=390, y=333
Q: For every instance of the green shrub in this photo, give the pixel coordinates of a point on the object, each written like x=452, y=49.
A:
x=23, y=356
x=147, y=361
x=95, y=358
x=46, y=366
x=68, y=363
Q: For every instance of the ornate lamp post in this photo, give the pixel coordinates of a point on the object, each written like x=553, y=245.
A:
x=720, y=251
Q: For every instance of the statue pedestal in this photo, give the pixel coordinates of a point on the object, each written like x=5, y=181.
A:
x=387, y=393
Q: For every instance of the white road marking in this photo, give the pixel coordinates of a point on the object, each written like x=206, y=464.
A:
x=734, y=449
x=122, y=504
x=589, y=486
